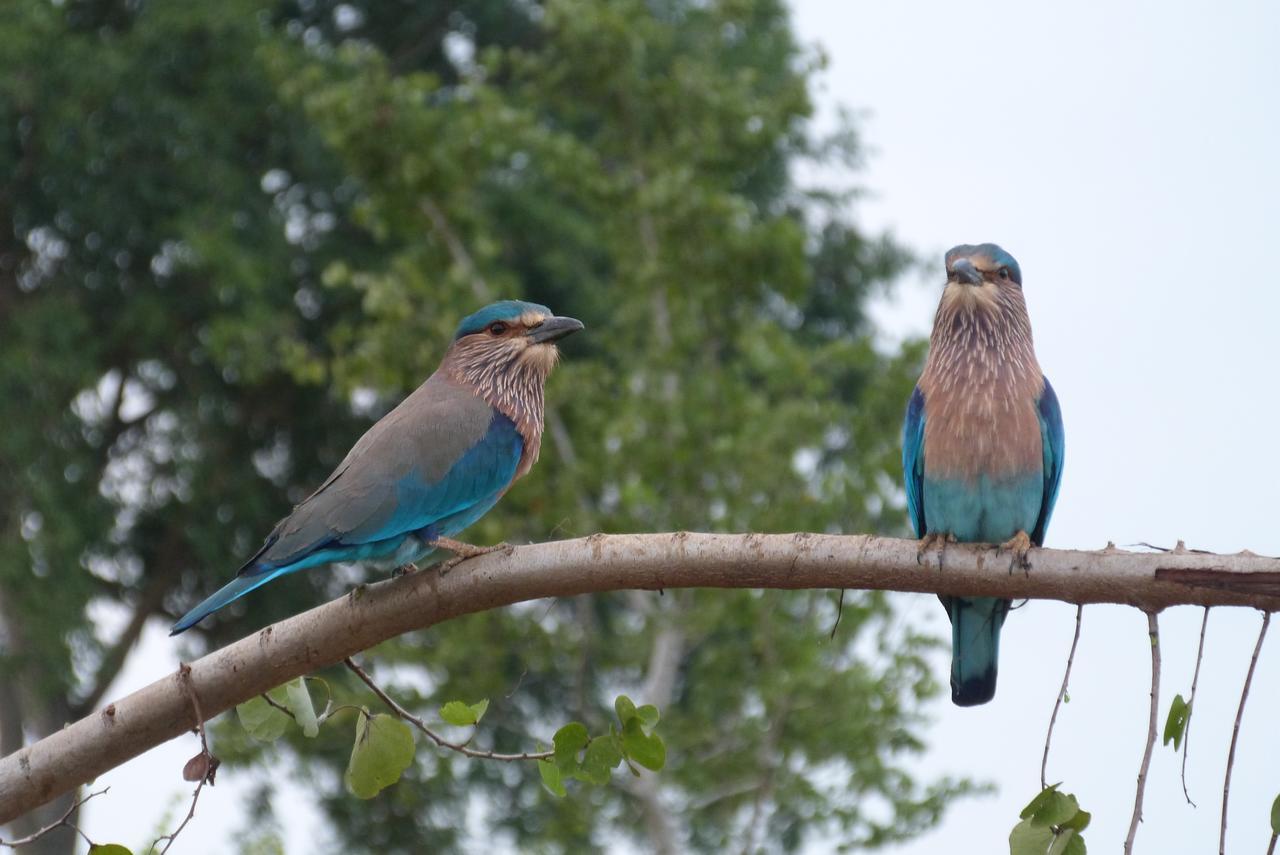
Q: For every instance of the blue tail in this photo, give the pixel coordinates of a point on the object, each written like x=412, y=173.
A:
x=975, y=647
x=227, y=594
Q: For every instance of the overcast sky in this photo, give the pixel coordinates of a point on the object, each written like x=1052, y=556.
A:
x=1126, y=154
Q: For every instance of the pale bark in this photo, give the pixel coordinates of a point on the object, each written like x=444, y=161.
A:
x=368, y=615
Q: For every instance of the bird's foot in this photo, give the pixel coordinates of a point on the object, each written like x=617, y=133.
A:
x=467, y=550
x=404, y=570
x=1019, y=545
x=931, y=541
x=463, y=551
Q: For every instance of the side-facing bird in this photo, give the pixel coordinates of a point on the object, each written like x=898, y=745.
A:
x=982, y=445
x=429, y=468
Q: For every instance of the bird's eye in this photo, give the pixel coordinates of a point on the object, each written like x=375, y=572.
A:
x=1004, y=273
x=497, y=327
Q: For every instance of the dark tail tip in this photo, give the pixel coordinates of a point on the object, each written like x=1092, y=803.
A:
x=974, y=691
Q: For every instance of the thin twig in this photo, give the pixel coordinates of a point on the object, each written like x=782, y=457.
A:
x=1271, y=847
x=209, y=767
x=1191, y=701
x=1153, y=630
x=280, y=707
x=439, y=740
x=1062, y=693
x=1235, y=732
x=64, y=822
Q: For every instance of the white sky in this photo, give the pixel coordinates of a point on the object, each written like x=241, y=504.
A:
x=1126, y=154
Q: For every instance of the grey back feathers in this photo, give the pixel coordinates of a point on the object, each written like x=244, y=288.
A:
x=422, y=437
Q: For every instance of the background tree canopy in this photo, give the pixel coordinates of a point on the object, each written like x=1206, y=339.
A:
x=233, y=234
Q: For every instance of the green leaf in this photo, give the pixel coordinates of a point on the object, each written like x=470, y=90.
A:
x=460, y=714
x=602, y=757
x=109, y=849
x=1061, y=841
x=1050, y=807
x=479, y=708
x=382, y=751
x=646, y=749
x=262, y=721
x=648, y=714
x=568, y=741
x=1079, y=822
x=551, y=778
x=1175, y=726
x=1060, y=808
x=624, y=708
x=1275, y=816
x=1076, y=846
x=1039, y=801
x=298, y=700
x=1030, y=839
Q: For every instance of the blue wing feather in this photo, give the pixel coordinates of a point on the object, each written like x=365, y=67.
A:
x=480, y=475
x=1053, y=442
x=417, y=508
x=913, y=460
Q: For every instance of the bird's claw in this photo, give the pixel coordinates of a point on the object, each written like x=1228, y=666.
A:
x=931, y=541
x=464, y=551
x=1019, y=545
x=467, y=550
x=404, y=570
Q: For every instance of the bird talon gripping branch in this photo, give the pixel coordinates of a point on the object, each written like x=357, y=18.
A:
x=982, y=445
x=1019, y=545
x=926, y=543
x=467, y=550
x=429, y=468
x=934, y=541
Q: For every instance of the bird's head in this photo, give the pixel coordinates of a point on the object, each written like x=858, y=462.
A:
x=509, y=334
x=981, y=276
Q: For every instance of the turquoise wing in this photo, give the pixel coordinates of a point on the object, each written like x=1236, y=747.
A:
x=1053, y=442
x=913, y=461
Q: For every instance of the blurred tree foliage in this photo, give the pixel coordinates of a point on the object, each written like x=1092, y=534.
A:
x=232, y=234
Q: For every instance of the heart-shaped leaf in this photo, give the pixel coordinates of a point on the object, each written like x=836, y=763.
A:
x=382, y=751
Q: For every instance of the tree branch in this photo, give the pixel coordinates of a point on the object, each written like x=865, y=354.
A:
x=665, y=657
x=64, y=822
x=1191, y=700
x=1057, y=703
x=371, y=614
x=202, y=768
x=460, y=747
x=457, y=249
x=1235, y=732
x=1153, y=630
x=113, y=659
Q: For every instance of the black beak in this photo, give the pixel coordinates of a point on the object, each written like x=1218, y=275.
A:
x=964, y=270
x=554, y=329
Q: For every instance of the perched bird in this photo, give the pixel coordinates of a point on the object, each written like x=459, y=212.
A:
x=429, y=468
x=982, y=444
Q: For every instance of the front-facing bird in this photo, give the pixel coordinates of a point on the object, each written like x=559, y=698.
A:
x=982, y=446
x=433, y=465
